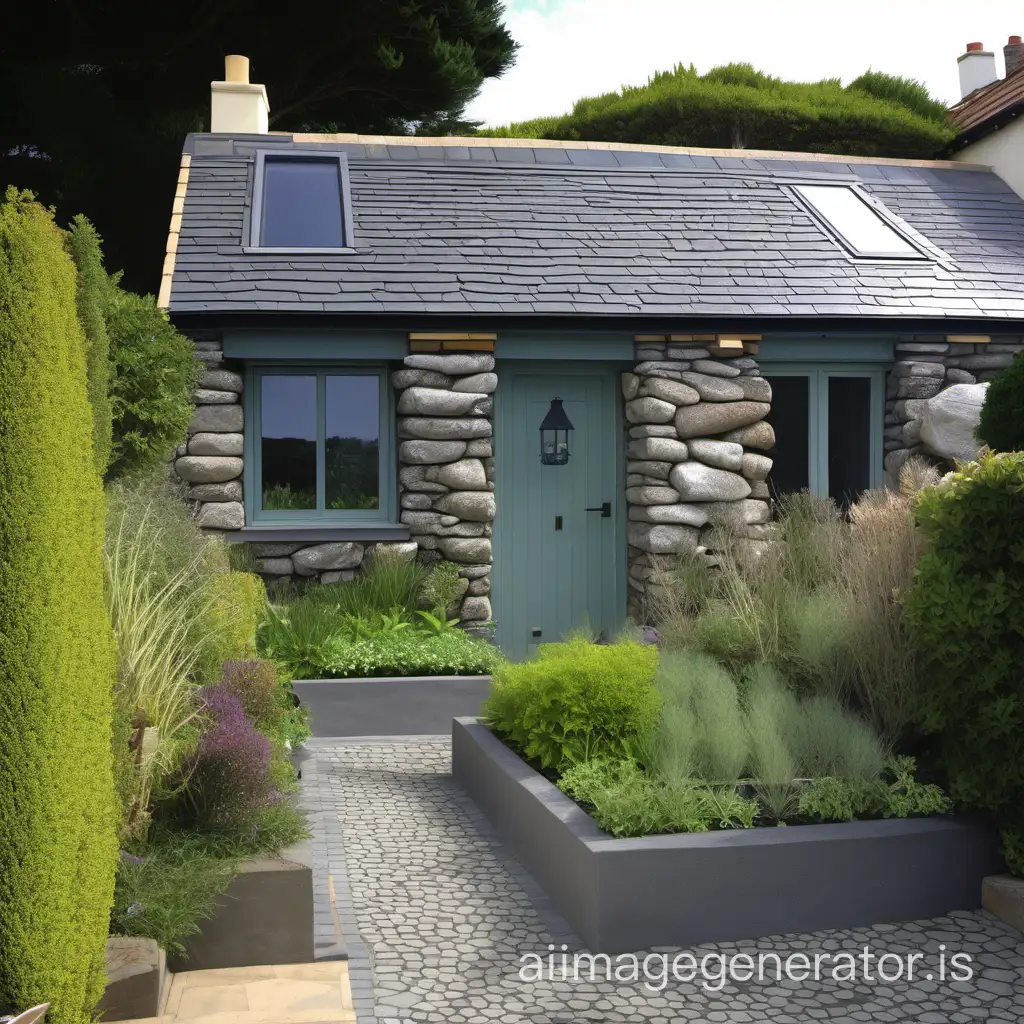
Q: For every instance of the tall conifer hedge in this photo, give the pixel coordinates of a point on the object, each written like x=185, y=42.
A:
x=58, y=849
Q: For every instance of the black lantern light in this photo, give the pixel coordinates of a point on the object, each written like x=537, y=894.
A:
x=554, y=435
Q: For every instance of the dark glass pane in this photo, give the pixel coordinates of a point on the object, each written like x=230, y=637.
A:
x=288, y=452
x=790, y=419
x=849, y=438
x=301, y=203
x=353, y=442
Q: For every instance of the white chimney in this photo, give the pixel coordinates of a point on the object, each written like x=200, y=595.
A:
x=237, y=106
x=977, y=68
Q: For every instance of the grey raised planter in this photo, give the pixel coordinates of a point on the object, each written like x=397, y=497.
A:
x=265, y=916
x=628, y=894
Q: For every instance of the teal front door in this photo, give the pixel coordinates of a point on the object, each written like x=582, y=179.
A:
x=559, y=536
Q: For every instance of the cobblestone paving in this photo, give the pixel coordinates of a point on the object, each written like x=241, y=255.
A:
x=440, y=916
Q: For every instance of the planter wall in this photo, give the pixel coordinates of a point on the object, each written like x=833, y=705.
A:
x=627, y=894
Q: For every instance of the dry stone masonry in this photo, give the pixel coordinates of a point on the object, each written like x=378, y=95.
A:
x=692, y=422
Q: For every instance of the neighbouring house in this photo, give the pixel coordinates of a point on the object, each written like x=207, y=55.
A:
x=400, y=332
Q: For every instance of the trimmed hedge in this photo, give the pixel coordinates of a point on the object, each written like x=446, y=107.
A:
x=57, y=807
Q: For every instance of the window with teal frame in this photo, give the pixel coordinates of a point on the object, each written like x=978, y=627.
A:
x=319, y=446
x=828, y=422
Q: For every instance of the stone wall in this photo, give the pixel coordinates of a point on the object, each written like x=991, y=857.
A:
x=924, y=366
x=694, y=457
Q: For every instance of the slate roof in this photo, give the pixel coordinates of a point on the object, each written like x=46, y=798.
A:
x=514, y=228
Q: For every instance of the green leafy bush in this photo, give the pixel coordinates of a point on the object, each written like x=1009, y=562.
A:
x=1002, y=414
x=1013, y=850
x=410, y=653
x=58, y=815
x=576, y=701
x=966, y=608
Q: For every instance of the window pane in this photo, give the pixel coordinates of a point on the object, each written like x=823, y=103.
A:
x=353, y=442
x=789, y=418
x=301, y=203
x=849, y=438
x=863, y=229
x=288, y=441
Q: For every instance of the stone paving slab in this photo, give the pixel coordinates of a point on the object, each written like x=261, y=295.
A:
x=437, y=918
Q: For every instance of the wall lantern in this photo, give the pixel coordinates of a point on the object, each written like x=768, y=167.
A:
x=554, y=435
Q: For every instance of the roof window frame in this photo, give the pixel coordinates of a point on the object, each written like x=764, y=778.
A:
x=920, y=253
x=252, y=233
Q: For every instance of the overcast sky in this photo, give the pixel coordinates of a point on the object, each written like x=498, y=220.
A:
x=574, y=48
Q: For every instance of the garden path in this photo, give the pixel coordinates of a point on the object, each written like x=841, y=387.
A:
x=436, y=915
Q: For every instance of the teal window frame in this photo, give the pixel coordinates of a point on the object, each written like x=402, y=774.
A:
x=818, y=375
x=384, y=514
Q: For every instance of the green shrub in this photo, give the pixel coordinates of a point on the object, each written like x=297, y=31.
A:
x=966, y=609
x=389, y=583
x=155, y=374
x=238, y=601
x=1013, y=850
x=255, y=684
x=410, y=653
x=57, y=803
x=1002, y=414
x=576, y=701
x=92, y=296
x=442, y=586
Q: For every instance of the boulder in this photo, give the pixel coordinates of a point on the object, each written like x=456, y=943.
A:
x=737, y=514
x=659, y=368
x=649, y=410
x=436, y=429
x=482, y=383
x=476, y=506
x=455, y=365
x=419, y=378
x=437, y=402
x=206, y=396
x=403, y=550
x=758, y=435
x=653, y=430
x=919, y=387
x=657, y=449
x=724, y=454
x=655, y=469
x=338, y=576
x=669, y=391
x=662, y=538
x=462, y=530
x=221, y=515
x=682, y=514
x=651, y=496
x=954, y=375
x=417, y=501
x=630, y=386
x=479, y=587
x=464, y=475
x=273, y=549
x=208, y=469
x=716, y=368
x=480, y=448
x=334, y=555
x=466, y=550
x=755, y=389
x=713, y=389
x=474, y=572
x=948, y=421
x=912, y=369
x=475, y=609
x=221, y=380
x=696, y=482
x=718, y=417
x=230, y=490
x=687, y=352
x=217, y=419
x=430, y=452
x=275, y=566
x=215, y=444
x=756, y=467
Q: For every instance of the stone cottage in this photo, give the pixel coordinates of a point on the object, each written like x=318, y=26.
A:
x=552, y=362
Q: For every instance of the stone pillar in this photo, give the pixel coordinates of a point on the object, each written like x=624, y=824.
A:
x=692, y=420
x=446, y=466
x=211, y=460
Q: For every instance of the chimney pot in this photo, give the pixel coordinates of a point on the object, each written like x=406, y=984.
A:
x=236, y=68
x=238, y=107
x=1013, y=54
x=977, y=68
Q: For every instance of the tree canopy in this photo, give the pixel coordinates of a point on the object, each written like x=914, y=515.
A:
x=98, y=101
x=736, y=106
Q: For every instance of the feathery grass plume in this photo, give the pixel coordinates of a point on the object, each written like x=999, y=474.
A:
x=826, y=738
x=773, y=768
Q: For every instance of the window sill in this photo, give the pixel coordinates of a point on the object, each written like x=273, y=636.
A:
x=280, y=250
x=314, y=534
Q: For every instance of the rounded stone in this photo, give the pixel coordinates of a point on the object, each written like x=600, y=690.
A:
x=657, y=449
x=430, y=452
x=476, y=506
x=460, y=365
x=919, y=387
x=653, y=430
x=462, y=530
x=715, y=368
x=681, y=514
x=402, y=550
x=436, y=402
x=736, y=514
x=759, y=489
x=221, y=515
x=205, y=396
x=649, y=410
x=696, y=482
x=669, y=391
x=479, y=587
x=756, y=467
x=419, y=378
x=273, y=549
x=437, y=429
x=718, y=417
x=651, y=496
x=338, y=576
x=480, y=449
x=475, y=609
x=217, y=419
x=417, y=501
x=464, y=475
x=655, y=469
x=466, y=550
x=713, y=389
x=758, y=435
x=208, y=469
x=275, y=566
x=662, y=538
x=687, y=352
x=949, y=420
x=334, y=555
x=215, y=444
x=724, y=454
x=230, y=490
x=221, y=380
x=481, y=383
x=630, y=386
x=755, y=389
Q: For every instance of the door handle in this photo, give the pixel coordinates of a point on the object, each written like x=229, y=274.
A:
x=605, y=508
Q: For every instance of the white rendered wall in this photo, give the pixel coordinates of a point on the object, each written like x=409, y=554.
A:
x=1003, y=151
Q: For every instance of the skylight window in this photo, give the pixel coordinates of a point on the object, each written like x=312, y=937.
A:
x=859, y=226
x=301, y=202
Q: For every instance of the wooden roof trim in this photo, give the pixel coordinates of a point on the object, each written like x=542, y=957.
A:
x=174, y=231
